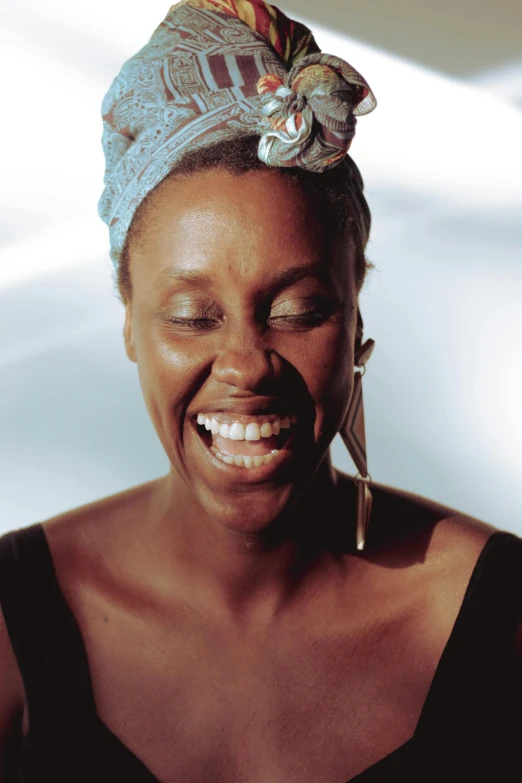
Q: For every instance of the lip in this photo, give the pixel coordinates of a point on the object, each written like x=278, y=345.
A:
x=244, y=406
x=247, y=475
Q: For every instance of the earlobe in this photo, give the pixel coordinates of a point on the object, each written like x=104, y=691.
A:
x=128, y=335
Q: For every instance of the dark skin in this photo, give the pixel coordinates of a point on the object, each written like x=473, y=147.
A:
x=233, y=631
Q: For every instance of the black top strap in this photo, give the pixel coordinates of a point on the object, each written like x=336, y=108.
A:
x=475, y=700
x=45, y=637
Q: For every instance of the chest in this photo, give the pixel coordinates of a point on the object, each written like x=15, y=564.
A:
x=311, y=701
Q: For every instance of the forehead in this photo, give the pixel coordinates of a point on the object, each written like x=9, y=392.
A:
x=215, y=224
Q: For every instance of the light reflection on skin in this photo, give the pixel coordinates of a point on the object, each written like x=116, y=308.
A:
x=264, y=305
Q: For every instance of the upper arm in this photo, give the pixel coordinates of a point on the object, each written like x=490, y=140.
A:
x=11, y=699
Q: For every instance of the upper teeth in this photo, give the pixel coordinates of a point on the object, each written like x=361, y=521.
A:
x=235, y=430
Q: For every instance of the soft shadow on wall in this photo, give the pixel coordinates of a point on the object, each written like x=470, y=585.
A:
x=444, y=305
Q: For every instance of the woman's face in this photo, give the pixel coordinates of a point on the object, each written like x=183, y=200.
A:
x=243, y=319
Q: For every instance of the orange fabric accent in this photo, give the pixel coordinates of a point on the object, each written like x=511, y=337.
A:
x=278, y=123
x=307, y=79
x=289, y=39
x=339, y=156
x=269, y=83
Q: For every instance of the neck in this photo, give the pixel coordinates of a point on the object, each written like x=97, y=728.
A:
x=253, y=577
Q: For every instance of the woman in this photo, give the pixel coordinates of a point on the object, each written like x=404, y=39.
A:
x=237, y=619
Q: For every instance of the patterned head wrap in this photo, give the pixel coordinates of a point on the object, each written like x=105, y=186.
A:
x=213, y=70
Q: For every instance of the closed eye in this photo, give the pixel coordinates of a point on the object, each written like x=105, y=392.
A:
x=299, y=313
x=195, y=323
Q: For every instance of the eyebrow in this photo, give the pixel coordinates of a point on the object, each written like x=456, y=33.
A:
x=296, y=273
x=169, y=275
x=282, y=280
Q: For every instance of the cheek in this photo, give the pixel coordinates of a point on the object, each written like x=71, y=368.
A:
x=326, y=364
x=170, y=373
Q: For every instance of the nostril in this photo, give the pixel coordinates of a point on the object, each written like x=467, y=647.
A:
x=245, y=370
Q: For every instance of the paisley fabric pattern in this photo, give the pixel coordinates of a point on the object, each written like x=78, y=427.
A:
x=312, y=112
x=290, y=39
x=195, y=83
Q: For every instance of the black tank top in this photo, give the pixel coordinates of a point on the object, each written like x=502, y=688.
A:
x=469, y=729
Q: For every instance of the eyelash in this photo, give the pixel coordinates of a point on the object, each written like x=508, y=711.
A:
x=308, y=318
x=193, y=322
x=313, y=316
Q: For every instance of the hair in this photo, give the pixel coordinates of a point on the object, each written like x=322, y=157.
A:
x=338, y=191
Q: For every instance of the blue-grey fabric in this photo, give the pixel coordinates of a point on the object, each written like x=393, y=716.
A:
x=213, y=70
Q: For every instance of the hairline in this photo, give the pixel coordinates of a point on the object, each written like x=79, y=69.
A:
x=193, y=163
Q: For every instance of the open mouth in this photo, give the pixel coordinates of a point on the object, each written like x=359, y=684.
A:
x=245, y=441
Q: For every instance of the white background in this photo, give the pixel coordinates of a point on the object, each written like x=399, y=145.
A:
x=443, y=170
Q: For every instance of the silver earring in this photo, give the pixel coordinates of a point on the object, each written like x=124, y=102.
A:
x=354, y=437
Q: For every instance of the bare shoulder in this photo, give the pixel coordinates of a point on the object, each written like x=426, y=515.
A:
x=424, y=553
x=446, y=539
x=90, y=532
x=409, y=526
x=96, y=551
x=443, y=546
x=447, y=544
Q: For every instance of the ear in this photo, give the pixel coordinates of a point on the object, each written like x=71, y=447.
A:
x=359, y=331
x=128, y=334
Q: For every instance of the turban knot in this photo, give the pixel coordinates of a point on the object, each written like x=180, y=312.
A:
x=312, y=112
x=213, y=70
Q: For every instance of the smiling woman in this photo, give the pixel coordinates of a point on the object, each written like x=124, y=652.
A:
x=254, y=615
x=247, y=333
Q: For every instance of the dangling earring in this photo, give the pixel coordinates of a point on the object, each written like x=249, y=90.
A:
x=354, y=437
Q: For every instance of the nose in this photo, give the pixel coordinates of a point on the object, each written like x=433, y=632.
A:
x=247, y=367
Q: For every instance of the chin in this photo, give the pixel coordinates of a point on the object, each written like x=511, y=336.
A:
x=251, y=511
x=244, y=485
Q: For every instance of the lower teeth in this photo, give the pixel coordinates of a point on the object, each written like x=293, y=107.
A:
x=245, y=461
